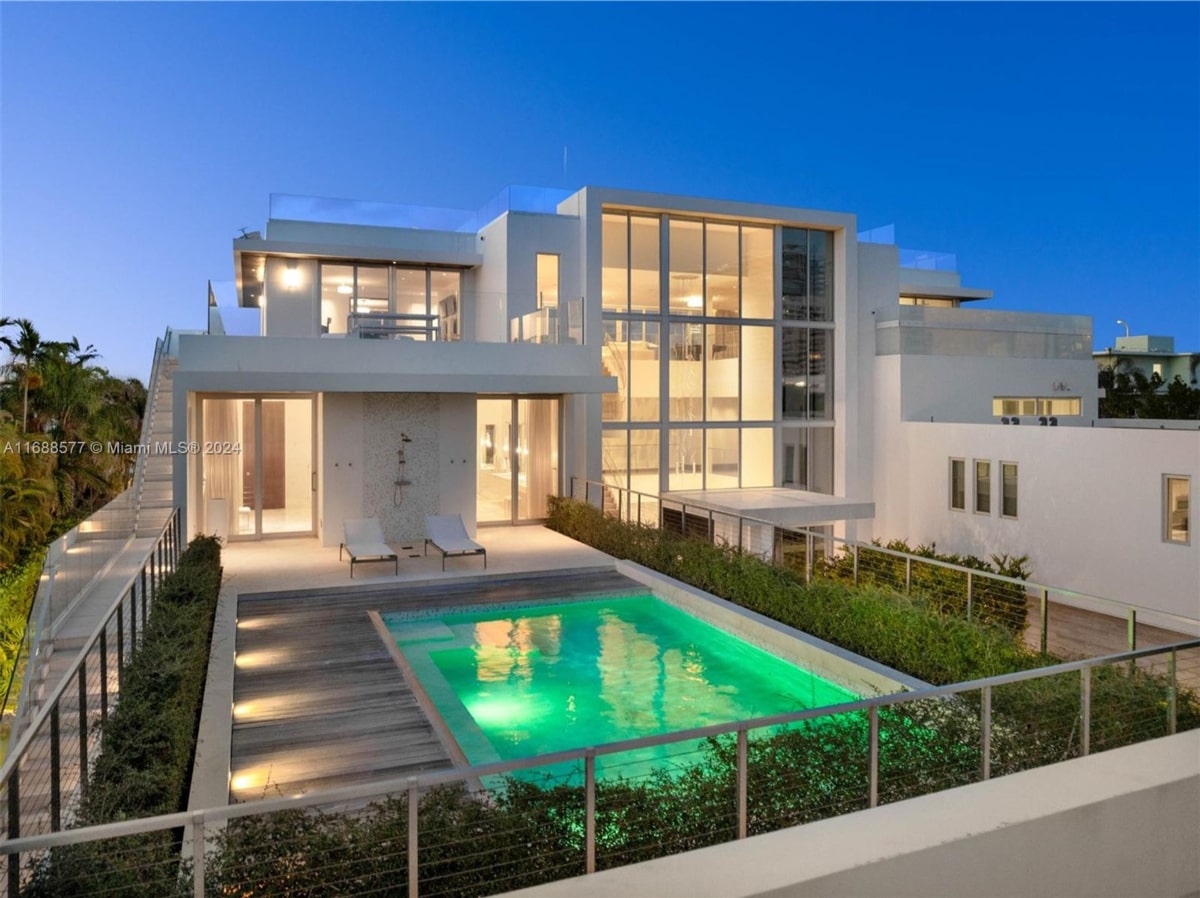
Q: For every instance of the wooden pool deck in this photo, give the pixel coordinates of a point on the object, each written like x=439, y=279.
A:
x=319, y=701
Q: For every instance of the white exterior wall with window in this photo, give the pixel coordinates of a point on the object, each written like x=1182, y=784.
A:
x=829, y=388
x=1092, y=508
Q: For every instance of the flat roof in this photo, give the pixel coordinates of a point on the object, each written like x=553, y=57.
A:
x=781, y=506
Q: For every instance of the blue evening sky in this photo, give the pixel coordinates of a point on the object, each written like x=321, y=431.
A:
x=1054, y=148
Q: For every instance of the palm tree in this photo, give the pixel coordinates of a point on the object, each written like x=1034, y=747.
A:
x=28, y=352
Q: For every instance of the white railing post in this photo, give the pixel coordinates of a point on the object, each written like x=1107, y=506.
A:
x=742, y=781
x=414, y=808
x=589, y=817
x=985, y=725
x=1085, y=710
x=873, y=753
x=198, y=854
x=1045, y=620
x=1171, y=694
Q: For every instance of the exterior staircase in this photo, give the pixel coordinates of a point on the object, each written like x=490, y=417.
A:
x=153, y=490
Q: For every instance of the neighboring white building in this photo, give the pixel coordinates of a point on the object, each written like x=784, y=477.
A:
x=1152, y=356
x=407, y=361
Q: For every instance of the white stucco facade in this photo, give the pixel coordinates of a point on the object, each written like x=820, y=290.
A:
x=754, y=364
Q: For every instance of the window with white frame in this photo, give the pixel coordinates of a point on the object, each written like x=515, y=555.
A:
x=958, y=484
x=1176, y=495
x=1008, y=489
x=983, y=487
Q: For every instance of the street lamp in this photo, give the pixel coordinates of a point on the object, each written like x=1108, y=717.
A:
x=1126, y=325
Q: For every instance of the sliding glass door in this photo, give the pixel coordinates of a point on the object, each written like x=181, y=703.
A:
x=517, y=465
x=257, y=466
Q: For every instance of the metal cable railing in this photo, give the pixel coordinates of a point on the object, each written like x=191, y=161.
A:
x=1063, y=622
x=517, y=823
x=45, y=772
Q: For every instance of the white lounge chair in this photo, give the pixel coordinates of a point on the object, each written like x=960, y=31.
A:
x=364, y=542
x=446, y=533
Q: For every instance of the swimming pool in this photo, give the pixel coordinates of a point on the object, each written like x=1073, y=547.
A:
x=510, y=683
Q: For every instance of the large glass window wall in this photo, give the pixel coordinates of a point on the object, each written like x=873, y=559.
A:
x=404, y=290
x=695, y=322
x=807, y=333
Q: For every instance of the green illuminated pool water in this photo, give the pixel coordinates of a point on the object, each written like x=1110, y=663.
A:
x=519, y=682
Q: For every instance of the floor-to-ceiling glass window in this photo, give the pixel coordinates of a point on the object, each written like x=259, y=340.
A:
x=518, y=463
x=537, y=445
x=228, y=485
x=257, y=473
x=699, y=323
x=494, y=487
x=431, y=295
x=807, y=337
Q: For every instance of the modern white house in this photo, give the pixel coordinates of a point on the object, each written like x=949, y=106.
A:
x=404, y=361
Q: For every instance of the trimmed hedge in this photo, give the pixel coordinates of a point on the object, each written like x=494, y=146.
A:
x=528, y=833
x=144, y=764
x=993, y=602
x=904, y=632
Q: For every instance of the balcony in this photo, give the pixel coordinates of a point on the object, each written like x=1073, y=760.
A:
x=928, y=330
x=472, y=317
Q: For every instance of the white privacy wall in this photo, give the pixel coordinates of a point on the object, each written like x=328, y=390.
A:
x=361, y=433
x=1090, y=503
x=400, y=510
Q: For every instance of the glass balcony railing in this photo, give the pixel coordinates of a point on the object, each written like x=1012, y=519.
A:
x=561, y=323
x=472, y=316
x=327, y=210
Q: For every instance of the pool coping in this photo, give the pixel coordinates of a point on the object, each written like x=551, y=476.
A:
x=824, y=658
x=855, y=672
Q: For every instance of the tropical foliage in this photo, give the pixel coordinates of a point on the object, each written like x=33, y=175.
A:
x=1128, y=393
x=55, y=403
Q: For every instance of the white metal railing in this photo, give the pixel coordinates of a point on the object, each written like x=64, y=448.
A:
x=391, y=326
x=881, y=771
x=815, y=553
x=47, y=763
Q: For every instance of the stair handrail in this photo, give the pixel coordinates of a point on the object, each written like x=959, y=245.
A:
x=161, y=346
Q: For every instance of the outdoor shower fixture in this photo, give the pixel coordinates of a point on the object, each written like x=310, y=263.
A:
x=400, y=483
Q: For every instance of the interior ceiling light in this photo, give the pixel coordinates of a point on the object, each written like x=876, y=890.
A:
x=344, y=289
x=694, y=301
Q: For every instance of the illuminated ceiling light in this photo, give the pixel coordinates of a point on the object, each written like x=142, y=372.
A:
x=695, y=301
x=291, y=275
x=345, y=289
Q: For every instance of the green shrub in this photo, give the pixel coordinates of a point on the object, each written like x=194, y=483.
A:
x=993, y=602
x=144, y=764
x=18, y=586
x=904, y=632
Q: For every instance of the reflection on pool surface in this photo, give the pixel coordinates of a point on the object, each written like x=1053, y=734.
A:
x=513, y=683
